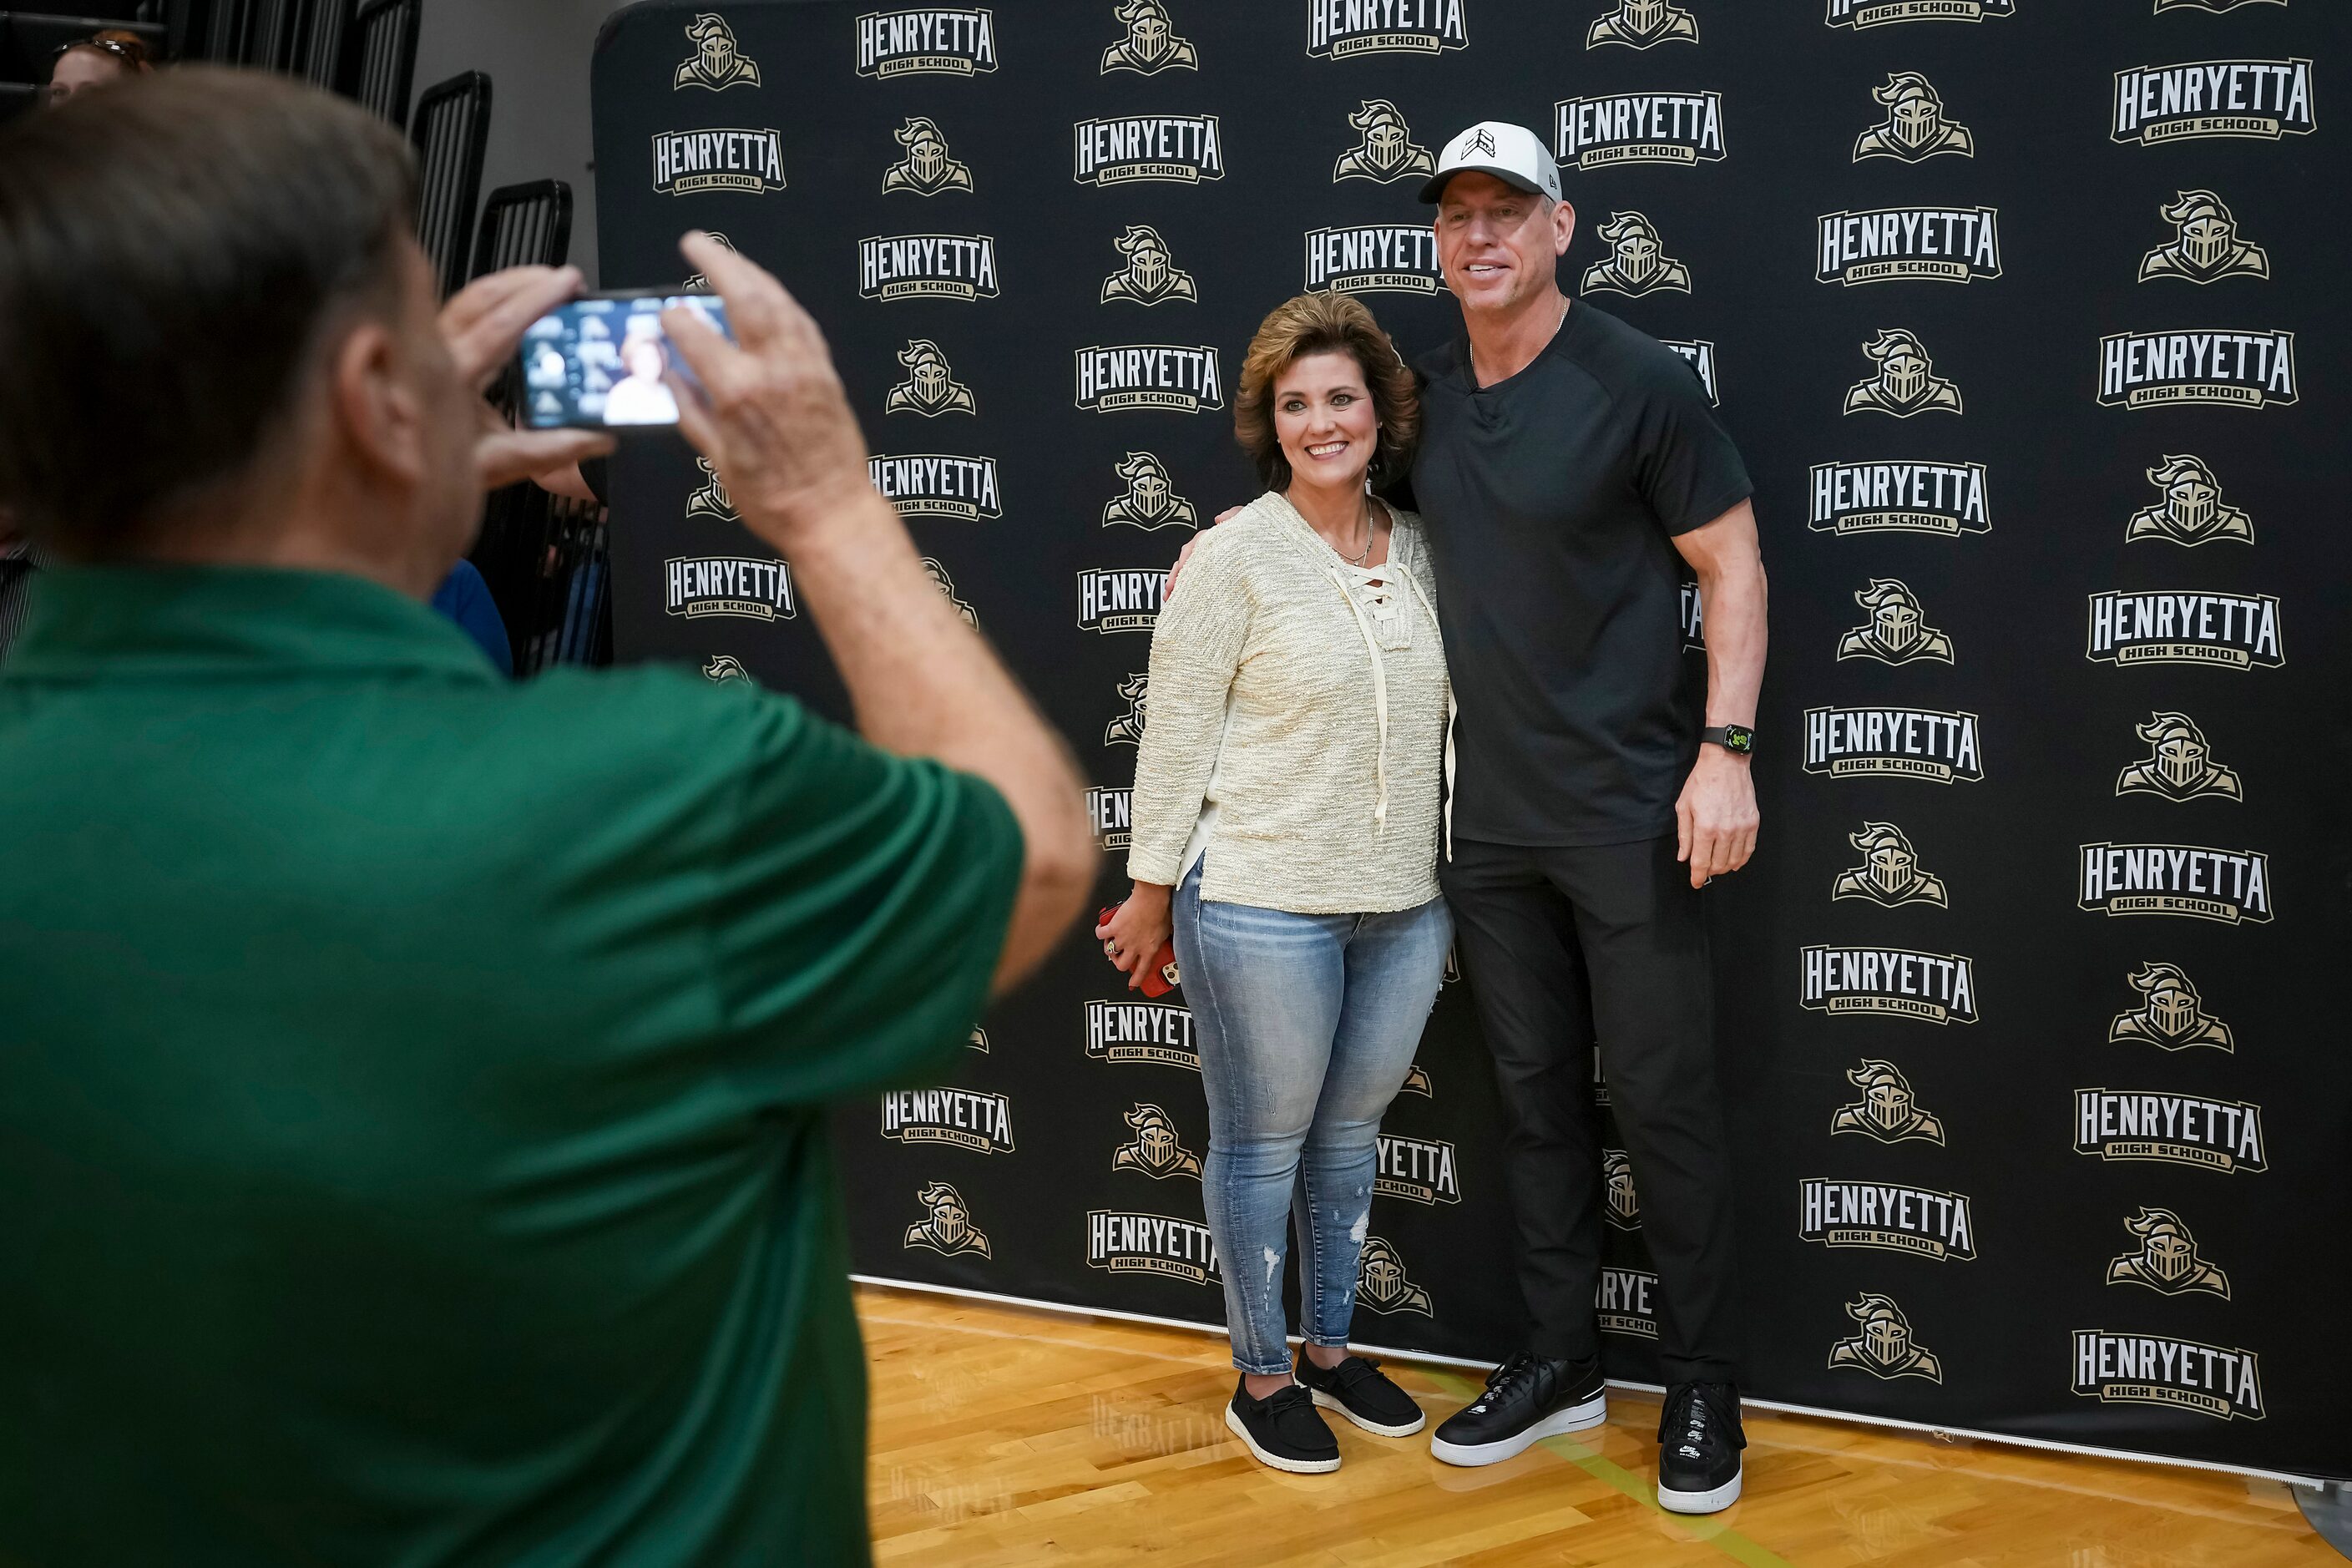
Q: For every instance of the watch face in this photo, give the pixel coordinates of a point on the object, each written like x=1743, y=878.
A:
x=1736, y=739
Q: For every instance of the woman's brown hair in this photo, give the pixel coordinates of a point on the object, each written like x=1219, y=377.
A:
x=1317, y=324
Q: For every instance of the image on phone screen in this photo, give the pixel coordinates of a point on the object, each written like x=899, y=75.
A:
x=600, y=364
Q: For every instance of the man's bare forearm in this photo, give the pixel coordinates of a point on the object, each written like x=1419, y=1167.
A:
x=923, y=683
x=1732, y=607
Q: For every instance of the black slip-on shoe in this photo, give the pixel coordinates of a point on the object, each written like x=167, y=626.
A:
x=1283, y=1430
x=1700, y=1441
x=1360, y=1390
x=1527, y=1399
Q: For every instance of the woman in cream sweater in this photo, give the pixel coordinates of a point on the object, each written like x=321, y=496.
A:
x=1286, y=824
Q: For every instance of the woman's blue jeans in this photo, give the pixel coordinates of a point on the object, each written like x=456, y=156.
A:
x=1307, y=1025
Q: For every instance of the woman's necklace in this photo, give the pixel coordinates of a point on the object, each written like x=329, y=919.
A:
x=1361, y=557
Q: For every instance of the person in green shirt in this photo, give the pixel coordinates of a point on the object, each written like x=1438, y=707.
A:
x=411, y=1083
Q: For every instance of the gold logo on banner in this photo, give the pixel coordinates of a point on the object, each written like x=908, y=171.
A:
x=1340, y=29
x=925, y=170
x=2192, y=511
x=2261, y=99
x=2218, y=1135
x=711, y=499
x=1388, y=151
x=1419, y=1170
x=1637, y=263
x=2167, y=1260
x=1889, y=873
x=2235, y=631
x=2179, y=763
x=1155, y=1151
x=1417, y=1079
x=977, y=1039
x=717, y=63
x=1151, y=276
x=1382, y=1285
x=947, y=1226
x=930, y=388
x=1914, y=126
x=1127, y=729
x=1111, y=810
x=946, y=585
x=1907, y=382
x=1639, y=24
x=2171, y=1017
x=2205, y=245
x=2232, y=886
x=1861, y=14
x=1150, y=499
x=1621, y=1205
x=934, y=41
x=2236, y=368
x=1887, y=1110
x=1883, y=1348
x=2221, y=1381
x=698, y=281
x=1898, y=631
x=724, y=668
x=1151, y=45
x=1124, y=1242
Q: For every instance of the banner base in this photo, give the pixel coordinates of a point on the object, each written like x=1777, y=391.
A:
x=2332, y=1502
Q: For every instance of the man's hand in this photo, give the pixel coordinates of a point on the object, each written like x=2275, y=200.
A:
x=1715, y=819
x=772, y=415
x=483, y=324
x=1185, y=554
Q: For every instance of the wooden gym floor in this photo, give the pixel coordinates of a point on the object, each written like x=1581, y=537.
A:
x=1005, y=1436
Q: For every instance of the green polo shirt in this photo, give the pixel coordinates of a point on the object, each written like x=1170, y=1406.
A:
x=411, y=1147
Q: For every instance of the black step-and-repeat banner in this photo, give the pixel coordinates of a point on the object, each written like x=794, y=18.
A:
x=2026, y=316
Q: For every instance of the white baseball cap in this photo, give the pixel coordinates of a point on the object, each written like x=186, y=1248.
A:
x=1512, y=153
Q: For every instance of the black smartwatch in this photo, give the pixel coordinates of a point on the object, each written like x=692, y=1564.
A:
x=1737, y=739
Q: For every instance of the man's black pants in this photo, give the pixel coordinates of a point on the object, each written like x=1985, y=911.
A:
x=1563, y=944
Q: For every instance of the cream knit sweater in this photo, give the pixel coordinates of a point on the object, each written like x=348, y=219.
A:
x=1308, y=709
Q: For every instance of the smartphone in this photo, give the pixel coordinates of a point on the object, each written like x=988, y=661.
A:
x=601, y=362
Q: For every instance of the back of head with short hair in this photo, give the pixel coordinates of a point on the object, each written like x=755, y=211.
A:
x=169, y=253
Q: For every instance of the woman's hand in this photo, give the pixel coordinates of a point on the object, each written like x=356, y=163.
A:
x=1137, y=931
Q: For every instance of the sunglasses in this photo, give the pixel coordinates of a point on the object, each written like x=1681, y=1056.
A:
x=126, y=52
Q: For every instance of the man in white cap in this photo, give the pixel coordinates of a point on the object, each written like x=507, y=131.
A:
x=1569, y=468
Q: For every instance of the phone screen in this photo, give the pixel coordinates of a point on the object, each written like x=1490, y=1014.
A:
x=600, y=364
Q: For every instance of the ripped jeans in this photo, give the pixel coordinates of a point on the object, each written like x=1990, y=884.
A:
x=1307, y=1025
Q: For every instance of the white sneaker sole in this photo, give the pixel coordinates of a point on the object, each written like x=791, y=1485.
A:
x=1420, y=1419
x=1575, y=1418
x=1714, y=1501
x=1276, y=1461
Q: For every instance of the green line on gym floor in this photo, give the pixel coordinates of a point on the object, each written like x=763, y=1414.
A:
x=1601, y=1467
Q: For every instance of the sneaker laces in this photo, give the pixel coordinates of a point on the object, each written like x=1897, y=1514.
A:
x=1283, y=1409
x=1504, y=1382
x=1691, y=1410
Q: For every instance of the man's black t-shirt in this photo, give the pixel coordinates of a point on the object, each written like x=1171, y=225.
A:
x=1550, y=499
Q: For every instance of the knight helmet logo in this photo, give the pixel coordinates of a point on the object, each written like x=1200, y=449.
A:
x=2192, y=511
x=725, y=667
x=1127, y=729
x=1914, y=126
x=1637, y=263
x=1898, y=631
x=2167, y=1260
x=1887, y=1110
x=1151, y=275
x=1623, y=1208
x=2205, y=244
x=947, y=1226
x=711, y=499
x=1388, y=151
x=1382, y=1283
x=1155, y=1153
x=1907, y=382
x=699, y=281
x=2170, y=1015
x=1883, y=1348
x=2179, y=765
x=1151, y=45
x=925, y=170
x=946, y=585
x=1889, y=873
x=930, y=388
x=1639, y=24
x=715, y=64
x=1150, y=501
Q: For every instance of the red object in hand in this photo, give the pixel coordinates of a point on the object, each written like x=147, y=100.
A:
x=1160, y=976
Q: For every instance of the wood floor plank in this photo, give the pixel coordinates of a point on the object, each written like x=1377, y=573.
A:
x=1004, y=1437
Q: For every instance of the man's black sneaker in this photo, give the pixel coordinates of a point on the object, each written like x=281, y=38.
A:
x=1527, y=1399
x=1283, y=1430
x=1360, y=1390
x=1700, y=1441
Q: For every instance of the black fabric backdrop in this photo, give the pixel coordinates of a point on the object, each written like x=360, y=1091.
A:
x=1052, y=1152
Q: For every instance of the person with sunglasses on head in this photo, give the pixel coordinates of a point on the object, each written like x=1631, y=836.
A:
x=101, y=60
